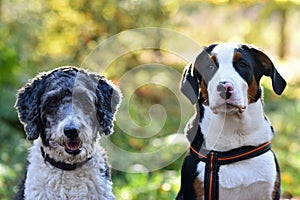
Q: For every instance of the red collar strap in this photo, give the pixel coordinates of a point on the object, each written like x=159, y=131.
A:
x=214, y=159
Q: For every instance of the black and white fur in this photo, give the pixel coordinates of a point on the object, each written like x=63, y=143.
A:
x=65, y=112
x=223, y=84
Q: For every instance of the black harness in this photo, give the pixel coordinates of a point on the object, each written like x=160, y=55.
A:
x=213, y=160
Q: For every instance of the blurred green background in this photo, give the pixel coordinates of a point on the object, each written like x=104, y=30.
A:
x=39, y=35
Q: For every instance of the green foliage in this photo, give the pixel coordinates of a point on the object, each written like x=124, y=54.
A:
x=37, y=35
x=148, y=186
x=12, y=147
x=284, y=115
x=12, y=159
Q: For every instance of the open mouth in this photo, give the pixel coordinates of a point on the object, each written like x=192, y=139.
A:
x=73, y=147
x=239, y=108
x=227, y=107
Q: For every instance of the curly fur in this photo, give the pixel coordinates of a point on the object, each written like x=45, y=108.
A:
x=57, y=110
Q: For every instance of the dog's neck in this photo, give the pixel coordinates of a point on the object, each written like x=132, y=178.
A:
x=62, y=165
x=224, y=131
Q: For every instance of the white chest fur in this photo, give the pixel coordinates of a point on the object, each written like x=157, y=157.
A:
x=223, y=132
x=44, y=181
x=246, y=179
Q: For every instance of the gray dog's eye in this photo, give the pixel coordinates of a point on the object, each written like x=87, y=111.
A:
x=82, y=100
x=52, y=101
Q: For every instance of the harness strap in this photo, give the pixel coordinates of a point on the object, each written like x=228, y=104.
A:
x=214, y=159
x=278, y=192
x=62, y=165
x=211, y=177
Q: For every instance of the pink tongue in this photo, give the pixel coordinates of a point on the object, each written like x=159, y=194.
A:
x=73, y=145
x=242, y=110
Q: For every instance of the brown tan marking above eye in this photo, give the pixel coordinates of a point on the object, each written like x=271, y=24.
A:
x=237, y=56
x=214, y=58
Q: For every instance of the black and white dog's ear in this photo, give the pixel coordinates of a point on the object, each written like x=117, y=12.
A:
x=108, y=98
x=28, y=106
x=203, y=68
x=278, y=83
x=189, y=85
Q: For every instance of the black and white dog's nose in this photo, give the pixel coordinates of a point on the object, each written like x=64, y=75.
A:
x=71, y=131
x=225, y=89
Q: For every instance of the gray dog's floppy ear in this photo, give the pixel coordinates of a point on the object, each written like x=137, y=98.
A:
x=28, y=106
x=268, y=69
x=108, y=98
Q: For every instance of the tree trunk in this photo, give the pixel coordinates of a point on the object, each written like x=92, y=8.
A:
x=282, y=31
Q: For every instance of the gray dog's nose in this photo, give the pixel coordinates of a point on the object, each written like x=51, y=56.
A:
x=71, y=131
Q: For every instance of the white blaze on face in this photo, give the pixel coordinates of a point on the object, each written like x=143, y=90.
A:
x=227, y=73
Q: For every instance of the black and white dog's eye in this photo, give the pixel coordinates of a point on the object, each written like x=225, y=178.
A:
x=242, y=64
x=211, y=67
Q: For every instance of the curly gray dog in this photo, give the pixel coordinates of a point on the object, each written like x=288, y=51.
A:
x=65, y=112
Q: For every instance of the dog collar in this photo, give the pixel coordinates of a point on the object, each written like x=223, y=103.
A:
x=213, y=160
x=62, y=165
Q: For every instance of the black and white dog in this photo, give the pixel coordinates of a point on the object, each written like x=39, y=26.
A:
x=65, y=112
x=230, y=156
